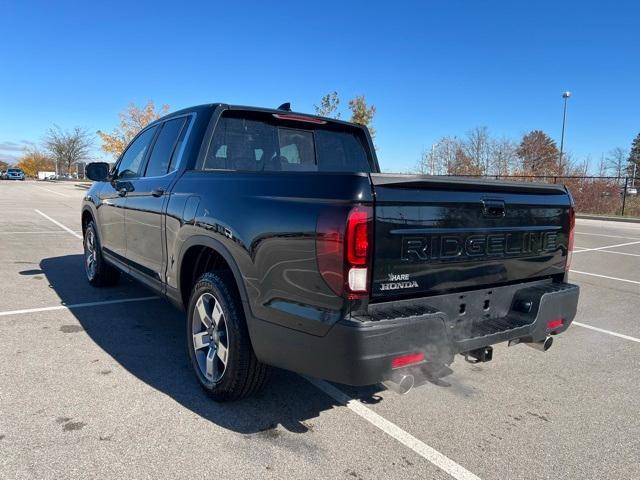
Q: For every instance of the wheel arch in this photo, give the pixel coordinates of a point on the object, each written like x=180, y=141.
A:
x=86, y=217
x=192, y=251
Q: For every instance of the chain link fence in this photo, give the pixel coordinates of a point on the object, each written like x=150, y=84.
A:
x=595, y=195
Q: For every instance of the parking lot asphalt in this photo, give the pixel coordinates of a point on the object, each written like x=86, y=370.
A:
x=96, y=382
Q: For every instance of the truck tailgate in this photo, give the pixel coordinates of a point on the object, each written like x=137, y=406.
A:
x=442, y=234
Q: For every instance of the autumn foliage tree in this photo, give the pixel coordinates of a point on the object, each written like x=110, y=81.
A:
x=132, y=120
x=538, y=154
x=34, y=161
x=329, y=105
x=362, y=113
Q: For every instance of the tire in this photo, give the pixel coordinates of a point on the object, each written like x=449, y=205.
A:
x=99, y=273
x=220, y=351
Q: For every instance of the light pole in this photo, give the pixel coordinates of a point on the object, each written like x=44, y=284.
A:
x=565, y=95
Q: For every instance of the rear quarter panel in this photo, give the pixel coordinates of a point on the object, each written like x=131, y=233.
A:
x=267, y=222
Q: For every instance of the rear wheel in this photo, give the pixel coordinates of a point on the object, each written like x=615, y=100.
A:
x=218, y=341
x=99, y=273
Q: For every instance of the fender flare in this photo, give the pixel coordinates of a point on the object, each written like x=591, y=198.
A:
x=218, y=247
x=94, y=217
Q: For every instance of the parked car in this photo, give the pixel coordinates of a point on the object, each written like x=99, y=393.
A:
x=287, y=247
x=3, y=174
x=14, y=174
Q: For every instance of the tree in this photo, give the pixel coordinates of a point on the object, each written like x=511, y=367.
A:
x=34, y=161
x=132, y=120
x=463, y=164
x=328, y=106
x=477, y=151
x=538, y=154
x=503, y=156
x=634, y=157
x=67, y=147
x=3, y=165
x=616, y=161
x=361, y=113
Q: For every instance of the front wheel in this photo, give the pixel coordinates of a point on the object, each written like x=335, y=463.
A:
x=218, y=341
x=99, y=273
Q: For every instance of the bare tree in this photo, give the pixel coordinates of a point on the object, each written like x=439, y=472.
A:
x=440, y=159
x=617, y=161
x=477, y=150
x=328, y=106
x=66, y=147
x=503, y=156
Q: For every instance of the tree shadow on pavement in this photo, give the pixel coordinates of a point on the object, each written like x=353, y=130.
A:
x=147, y=339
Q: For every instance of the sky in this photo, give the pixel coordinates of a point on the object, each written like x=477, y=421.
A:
x=431, y=68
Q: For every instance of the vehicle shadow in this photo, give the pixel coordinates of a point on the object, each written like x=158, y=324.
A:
x=147, y=339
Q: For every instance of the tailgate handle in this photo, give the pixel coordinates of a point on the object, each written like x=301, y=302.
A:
x=493, y=208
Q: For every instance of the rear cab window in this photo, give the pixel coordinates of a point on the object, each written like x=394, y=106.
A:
x=249, y=141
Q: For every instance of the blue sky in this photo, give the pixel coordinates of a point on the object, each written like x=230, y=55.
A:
x=431, y=68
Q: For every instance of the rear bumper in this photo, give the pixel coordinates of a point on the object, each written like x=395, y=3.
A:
x=358, y=351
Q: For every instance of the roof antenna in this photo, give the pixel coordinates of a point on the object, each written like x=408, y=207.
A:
x=285, y=106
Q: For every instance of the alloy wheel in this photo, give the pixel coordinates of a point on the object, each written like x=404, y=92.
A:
x=210, y=337
x=90, y=253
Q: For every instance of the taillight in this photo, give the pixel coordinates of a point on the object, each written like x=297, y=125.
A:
x=572, y=226
x=343, y=244
x=357, y=247
x=358, y=236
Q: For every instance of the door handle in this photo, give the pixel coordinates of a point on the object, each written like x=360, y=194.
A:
x=122, y=192
x=157, y=192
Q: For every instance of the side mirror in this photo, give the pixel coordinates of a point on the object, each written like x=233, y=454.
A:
x=97, y=171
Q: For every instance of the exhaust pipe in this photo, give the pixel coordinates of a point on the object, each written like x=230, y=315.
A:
x=542, y=345
x=400, y=383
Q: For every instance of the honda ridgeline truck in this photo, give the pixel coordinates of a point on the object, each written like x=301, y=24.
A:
x=287, y=247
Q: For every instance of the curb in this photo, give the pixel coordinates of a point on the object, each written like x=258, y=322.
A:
x=607, y=218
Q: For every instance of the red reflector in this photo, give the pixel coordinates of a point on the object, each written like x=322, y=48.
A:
x=358, y=237
x=554, y=324
x=404, y=360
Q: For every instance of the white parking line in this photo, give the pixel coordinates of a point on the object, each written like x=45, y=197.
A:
x=605, y=276
x=76, y=305
x=430, y=454
x=609, y=236
x=52, y=191
x=32, y=232
x=606, y=247
x=608, y=332
x=620, y=253
x=59, y=224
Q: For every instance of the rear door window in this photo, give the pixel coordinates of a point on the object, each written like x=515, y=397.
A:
x=261, y=144
x=164, y=147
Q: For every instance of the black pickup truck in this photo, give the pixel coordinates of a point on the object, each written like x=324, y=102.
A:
x=287, y=247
